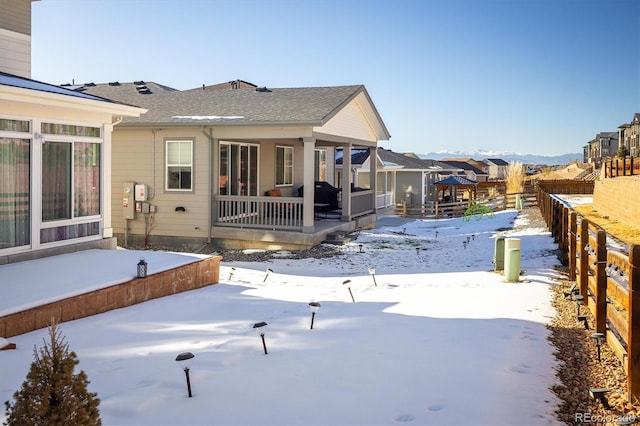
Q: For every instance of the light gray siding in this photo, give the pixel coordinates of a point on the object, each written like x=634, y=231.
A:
x=15, y=15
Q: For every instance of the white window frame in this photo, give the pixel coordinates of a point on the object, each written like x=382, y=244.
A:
x=167, y=165
x=282, y=180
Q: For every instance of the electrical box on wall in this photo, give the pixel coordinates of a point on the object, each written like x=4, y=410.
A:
x=141, y=192
x=127, y=200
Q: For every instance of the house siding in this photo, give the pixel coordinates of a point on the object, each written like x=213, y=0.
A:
x=15, y=37
x=16, y=16
x=350, y=123
x=137, y=154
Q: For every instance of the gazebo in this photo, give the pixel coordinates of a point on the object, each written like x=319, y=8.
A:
x=456, y=186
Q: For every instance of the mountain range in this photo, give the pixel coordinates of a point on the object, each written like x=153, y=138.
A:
x=480, y=154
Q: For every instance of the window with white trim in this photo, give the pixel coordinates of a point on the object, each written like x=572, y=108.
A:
x=284, y=165
x=179, y=165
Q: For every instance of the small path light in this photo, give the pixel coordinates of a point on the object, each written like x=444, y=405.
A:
x=578, y=298
x=269, y=270
x=468, y=239
x=597, y=339
x=599, y=395
x=259, y=327
x=184, y=360
x=436, y=234
x=372, y=272
x=360, y=248
x=473, y=237
x=464, y=244
x=314, y=309
x=347, y=282
x=417, y=250
x=231, y=272
x=142, y=268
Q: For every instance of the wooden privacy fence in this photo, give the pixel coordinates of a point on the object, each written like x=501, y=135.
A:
x=628, y=166
x=607, y=279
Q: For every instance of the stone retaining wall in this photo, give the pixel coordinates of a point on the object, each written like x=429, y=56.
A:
x=618, y=198
x=187, y=277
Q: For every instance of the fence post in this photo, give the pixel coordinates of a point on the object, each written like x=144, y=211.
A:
x=633, y=337
x=554, y=216
x=572, y=245
x=601, y=283
x=564, y=234
x=584, y=257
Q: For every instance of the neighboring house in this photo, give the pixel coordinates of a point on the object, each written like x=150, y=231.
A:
x=401, y=176
x=205, y=159
x=604, y=145
x=629, y=136
x=497, y=168
x=471, y=172
x=55, y=154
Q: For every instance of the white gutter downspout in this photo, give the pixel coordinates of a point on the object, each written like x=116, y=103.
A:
x=210, y=193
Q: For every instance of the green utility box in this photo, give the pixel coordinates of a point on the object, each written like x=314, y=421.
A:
x=512, y=259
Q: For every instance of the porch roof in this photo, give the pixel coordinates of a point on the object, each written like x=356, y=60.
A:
x=308, y=106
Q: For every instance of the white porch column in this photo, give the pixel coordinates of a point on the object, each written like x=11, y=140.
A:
x=309, y=185
x=373, y=174
x=346, y=182
x=107, y=229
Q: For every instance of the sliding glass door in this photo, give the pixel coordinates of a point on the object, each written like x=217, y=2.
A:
x=238, y=169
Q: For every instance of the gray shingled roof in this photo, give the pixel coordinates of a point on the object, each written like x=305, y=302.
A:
x=465, y=166
x=409, y=162
x=457, y=180
x=498, y=161
x=307, y=105
x=25, y=83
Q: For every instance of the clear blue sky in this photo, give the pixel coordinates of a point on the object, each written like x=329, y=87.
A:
x=527, y=76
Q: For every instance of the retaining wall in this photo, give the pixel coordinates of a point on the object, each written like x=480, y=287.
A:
x=618, y=198
x=187, y=277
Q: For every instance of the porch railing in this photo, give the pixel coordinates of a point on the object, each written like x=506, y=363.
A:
x=236, y=211
x=384, y=199
x=362, y=203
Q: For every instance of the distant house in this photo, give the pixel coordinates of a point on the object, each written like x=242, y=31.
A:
x=629, y=135
x=471, y=172
x=204, y=164
x=401, y=176
x=604, y=145
x=497, y=168
x=55, y=155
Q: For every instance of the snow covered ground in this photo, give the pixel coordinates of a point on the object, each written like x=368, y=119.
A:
x=437, y=338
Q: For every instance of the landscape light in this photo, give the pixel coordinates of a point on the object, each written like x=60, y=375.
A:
x=436, y=234
x=142, y=268
x=417, y=250
x=184, y=360
x=372, y=272
x=260, y=327
x=597, y=339
x=360, y=248
x=464, y=244
x=231, y=272
x=269, y=270
x=314, y=309
x=346, y=282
